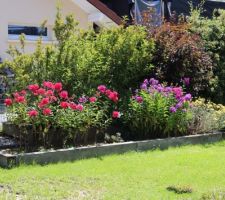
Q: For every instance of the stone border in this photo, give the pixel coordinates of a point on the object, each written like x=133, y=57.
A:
x=72, y=154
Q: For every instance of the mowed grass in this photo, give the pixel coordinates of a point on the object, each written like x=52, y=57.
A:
x=134, y=175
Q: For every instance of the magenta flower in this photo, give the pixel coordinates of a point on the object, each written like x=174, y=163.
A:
x=153, y=81
x=32, y=113
x=116, y=114
x=33, y=87
x=187, y=97
x=47, y=111
x=82, y=99
x=178, y=92
x=139, y=99
x=64, y=104
x=41, y=91
x=92, y=99
x=80, y=107
x=178, y=105
x=73, y=106
x=58, y=86
x=186, y=81
x=144, y=86
x=8, y=102
x=102, y=88
x=63, y=94
x=48, y=84
x=173, y=109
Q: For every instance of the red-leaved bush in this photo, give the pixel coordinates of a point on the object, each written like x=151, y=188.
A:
x=179, y=54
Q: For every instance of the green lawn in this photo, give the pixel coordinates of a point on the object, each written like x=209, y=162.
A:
x=129, y=176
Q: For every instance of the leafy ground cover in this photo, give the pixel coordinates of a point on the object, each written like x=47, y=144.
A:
x=196, y=170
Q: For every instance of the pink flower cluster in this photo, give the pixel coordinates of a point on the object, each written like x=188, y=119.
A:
x=51, y=94
x=112, y=95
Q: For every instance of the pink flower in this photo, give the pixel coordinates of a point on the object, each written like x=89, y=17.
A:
x=20, y=99
x=73, y=106
x=108, y=92
x=139, y=99
x=35, y=93
x=116, y=114
x=16, y=94
x=23, y=92
x=41, y=91
x=58, y=86
x=32, y=113
x=47, y=111
x=8, y=102
x=44, y=102
x=52, y=98
x=49, y=93
x=64, y=104
x=113, y=96
x=64, y=94
x=33, y=88
x=80, y=107
x=48, y=84
x=102, y=88
x=92, y=99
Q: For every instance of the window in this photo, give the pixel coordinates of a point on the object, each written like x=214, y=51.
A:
x=31, y=32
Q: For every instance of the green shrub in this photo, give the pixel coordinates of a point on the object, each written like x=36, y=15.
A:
x=158, y=111
x=119, y=57
x=212, y=32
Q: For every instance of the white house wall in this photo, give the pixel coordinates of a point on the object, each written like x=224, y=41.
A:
x=33, y=13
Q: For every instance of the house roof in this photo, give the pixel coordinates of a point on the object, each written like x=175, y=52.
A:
x=98, y=12
x=107, y=11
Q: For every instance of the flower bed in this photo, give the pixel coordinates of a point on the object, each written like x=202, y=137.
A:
x=157, y=110
x=48, y=116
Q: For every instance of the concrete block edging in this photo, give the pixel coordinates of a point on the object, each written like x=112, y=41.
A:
x=72, y=154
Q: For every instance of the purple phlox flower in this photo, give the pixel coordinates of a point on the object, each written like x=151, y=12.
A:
x=173, y=109
x=182, y=99
x=187, y=97
x=160, y=88
x=179, y=105
x=168, y=89
x=153, y=81
x=186, y=81
x=144, y=86
x=82, y=99
x=146, y=81
x=139, y=99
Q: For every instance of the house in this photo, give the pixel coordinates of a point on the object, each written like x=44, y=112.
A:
x=26, y=16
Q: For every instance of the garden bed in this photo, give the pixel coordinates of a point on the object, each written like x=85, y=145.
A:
x=63, y=155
